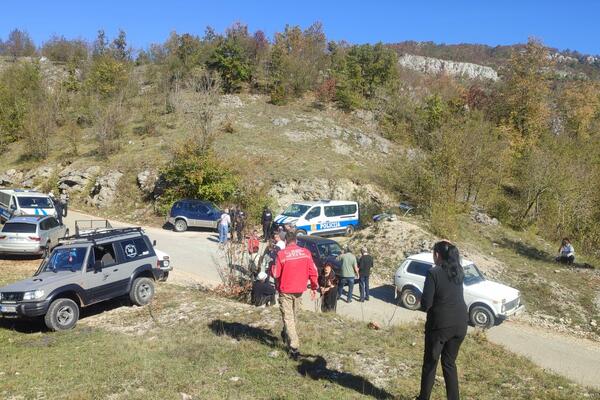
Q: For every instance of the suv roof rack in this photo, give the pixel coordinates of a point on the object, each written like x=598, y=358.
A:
x=93, y=234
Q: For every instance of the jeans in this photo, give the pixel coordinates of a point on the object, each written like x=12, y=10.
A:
x=223, y=233
x=363, y=284
x=343, y=282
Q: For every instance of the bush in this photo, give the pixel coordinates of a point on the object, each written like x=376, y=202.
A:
x=279, y=95
x=107, y=76
x=193, y=173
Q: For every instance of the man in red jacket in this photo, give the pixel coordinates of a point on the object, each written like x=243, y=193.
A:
x=293, y=268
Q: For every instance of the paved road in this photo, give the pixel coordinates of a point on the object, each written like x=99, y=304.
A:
x=194, y=254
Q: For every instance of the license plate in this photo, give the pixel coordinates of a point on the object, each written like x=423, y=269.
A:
x=8, y=309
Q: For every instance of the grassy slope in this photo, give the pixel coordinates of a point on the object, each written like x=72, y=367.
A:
x=208, y=347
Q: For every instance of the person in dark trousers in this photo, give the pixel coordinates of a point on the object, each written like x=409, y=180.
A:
x=566, y=252
x=59, y=207
x=447, y=318
x=263, y=292
x=240, y=224
x=328, y=287
x=266, y=221
x=232, y=215
x=348, y=273
x=365, y=263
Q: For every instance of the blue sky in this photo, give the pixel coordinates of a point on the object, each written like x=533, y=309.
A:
x=563, y=24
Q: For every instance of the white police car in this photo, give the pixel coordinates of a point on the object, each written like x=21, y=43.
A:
x=24, y=202
x=324, y=217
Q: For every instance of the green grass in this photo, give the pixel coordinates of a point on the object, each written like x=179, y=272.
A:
x=547, y=287
x=211, y=348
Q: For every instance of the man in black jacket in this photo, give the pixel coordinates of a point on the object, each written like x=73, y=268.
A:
x=365, y=263
x=263, y=292
x=266, y=220
x=447, y=318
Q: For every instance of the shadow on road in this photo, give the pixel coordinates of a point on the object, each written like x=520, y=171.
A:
x=385, y=293
x=315, y=367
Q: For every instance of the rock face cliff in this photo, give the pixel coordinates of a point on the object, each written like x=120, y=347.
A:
x=429, y=65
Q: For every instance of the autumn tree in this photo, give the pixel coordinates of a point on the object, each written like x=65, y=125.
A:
x=524, y=98
x=19, y=44
x=579, y=103
x=58, y=48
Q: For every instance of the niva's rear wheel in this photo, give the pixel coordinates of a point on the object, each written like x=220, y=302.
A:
x=62, y=315
x=410, y=299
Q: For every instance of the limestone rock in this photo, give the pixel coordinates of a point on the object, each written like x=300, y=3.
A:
x=41, y=173
x=430, y=65
x=11, y=177
x=74, y=179
x=231, y=101
x=280, y=121
x=104, y=190
x=151, y=183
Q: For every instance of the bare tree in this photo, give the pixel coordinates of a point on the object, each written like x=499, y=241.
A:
x=199, y=109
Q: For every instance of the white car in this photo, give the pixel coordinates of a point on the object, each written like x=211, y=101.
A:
x=488, y=302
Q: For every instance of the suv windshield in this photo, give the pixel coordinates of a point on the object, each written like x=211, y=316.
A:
x=472, y=274
x=70, y=259
x=34, y=202
x=295, y=210
x=329, y=249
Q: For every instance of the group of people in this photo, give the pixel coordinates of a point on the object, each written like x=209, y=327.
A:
x=231, y=225
x=442, y=300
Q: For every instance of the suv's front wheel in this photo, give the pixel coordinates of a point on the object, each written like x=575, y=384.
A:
x=482, y=317
x=62, y=315
x=142, y=291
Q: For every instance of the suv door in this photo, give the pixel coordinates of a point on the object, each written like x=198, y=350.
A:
x=202, y=216
x=54, y=229
x=314, y=218
x=99, y=284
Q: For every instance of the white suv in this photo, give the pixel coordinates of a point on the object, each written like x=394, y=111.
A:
x=487, y=301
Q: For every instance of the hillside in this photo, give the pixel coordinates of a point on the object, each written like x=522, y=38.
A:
x=195, y=345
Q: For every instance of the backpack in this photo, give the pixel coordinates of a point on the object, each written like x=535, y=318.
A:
x=253, y=245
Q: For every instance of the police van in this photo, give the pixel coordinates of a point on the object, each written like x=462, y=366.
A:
x=324, y=217
x=24, y=202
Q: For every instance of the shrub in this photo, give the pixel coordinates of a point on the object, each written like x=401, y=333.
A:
x=195, y=173
x=107, y=76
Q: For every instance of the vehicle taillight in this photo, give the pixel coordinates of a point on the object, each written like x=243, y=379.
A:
x=2, y=237
x=34, y=238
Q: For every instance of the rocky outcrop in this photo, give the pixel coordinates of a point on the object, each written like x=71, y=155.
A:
x=430, y=65
x=34, y=176
x=287, y=192
x=74, y=179
x=104, y=190
x=484, y=219
x=151, y=183
x=11, y=177
x=231, y=101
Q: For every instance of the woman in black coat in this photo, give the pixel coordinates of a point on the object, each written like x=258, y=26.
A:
x=447, y=319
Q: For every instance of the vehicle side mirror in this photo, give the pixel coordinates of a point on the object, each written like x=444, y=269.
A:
x=13, y=207
x=154, y=243
x=98, y=265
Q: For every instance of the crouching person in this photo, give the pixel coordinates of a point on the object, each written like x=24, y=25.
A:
x=294, y=266
x=263, y=292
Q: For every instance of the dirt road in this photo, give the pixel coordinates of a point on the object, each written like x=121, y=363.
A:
x=193, y=254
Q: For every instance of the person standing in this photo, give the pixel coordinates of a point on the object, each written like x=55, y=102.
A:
x=348, y=273
x=328, y=287
x=240, y=223
x=232, y=215
x=447, y=319
x=293, y=268
x=224, y=223
x=266, y=220
x=365, y=263
x=58, y=207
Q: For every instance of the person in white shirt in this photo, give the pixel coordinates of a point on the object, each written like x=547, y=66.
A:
x=278, y=242
x=566, y=252
x=224, y=223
